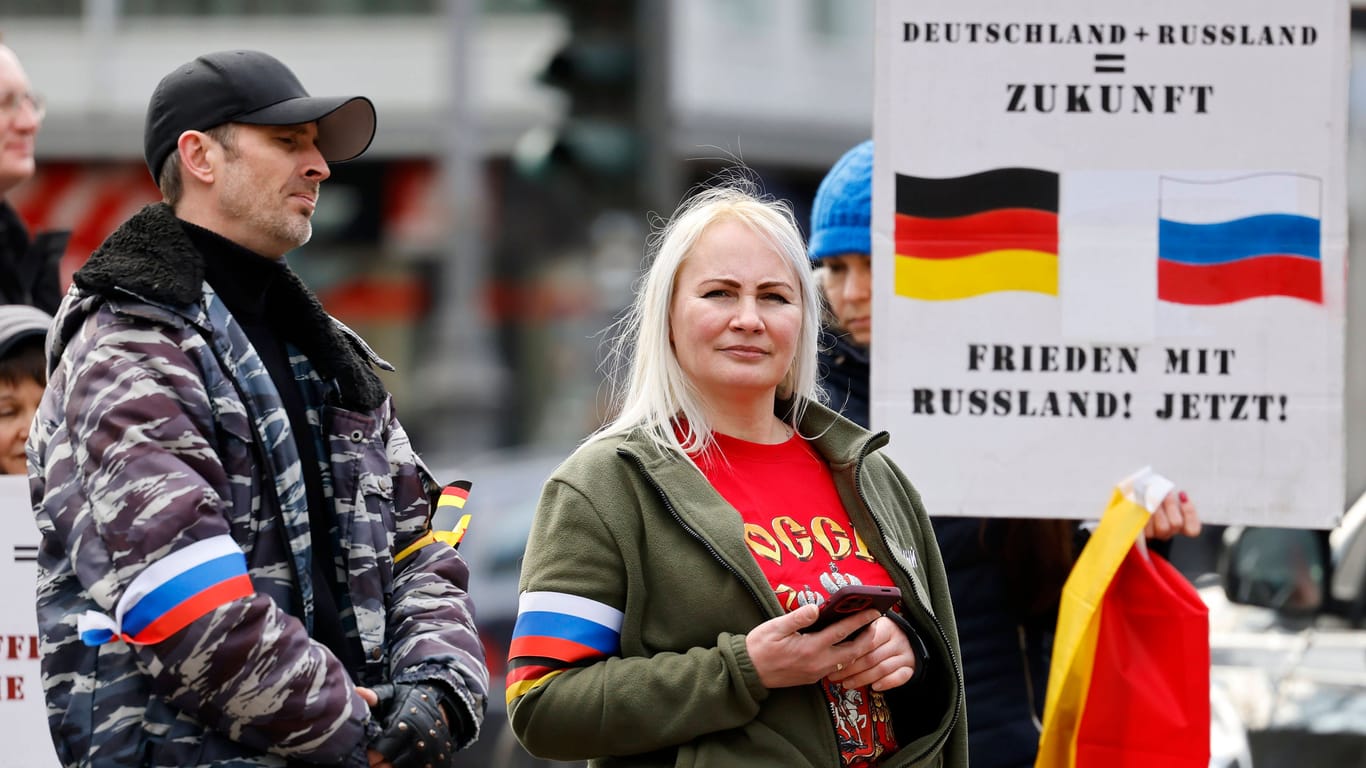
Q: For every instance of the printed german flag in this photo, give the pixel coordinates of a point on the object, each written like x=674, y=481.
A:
x=982, y=233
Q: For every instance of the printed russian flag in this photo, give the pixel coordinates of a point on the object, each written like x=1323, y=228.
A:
x=1225, y=241
x=982, y=233
x=171, y=593
x=554, y=632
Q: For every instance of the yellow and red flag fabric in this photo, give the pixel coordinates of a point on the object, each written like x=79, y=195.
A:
x=1129, y=681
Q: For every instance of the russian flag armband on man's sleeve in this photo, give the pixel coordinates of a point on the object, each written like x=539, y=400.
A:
x=171, y=593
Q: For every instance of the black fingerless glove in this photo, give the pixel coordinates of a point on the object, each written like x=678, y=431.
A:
x=415, y=733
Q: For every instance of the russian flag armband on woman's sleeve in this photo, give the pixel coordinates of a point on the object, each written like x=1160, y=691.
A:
x=171, y=593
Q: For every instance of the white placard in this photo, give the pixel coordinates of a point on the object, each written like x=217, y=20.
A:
x=23, y=714
x=1108, y=235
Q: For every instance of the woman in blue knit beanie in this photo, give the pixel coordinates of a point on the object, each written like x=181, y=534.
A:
x=841, y=248
x=1005, y=575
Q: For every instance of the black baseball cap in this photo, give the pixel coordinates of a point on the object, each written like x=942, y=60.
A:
x=249, y=87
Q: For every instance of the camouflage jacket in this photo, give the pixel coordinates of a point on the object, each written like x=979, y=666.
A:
x=161, y=429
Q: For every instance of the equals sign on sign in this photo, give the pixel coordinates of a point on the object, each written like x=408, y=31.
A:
x=23, y=554
x=1109, y=62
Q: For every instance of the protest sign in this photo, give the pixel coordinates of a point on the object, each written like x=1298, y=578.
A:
x=1110, y=235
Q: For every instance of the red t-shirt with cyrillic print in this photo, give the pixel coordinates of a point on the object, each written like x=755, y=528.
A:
x=801, y=536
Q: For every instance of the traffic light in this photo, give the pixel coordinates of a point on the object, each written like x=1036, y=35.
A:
x=598, y=141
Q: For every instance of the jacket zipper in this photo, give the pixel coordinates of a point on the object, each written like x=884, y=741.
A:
x=759, y=601
x=943, y=636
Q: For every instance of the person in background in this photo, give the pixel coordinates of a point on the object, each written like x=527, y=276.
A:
x=677, y=556
x=23, y=375
x=1005, y=575
x=232, y=567
x=29, y=269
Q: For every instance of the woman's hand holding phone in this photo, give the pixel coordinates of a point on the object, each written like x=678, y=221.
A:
x=887, y=656
x=891, y=659
x=785, y=652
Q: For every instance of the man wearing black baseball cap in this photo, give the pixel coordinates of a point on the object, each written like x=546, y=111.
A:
x=228, y=501
x=210, y=102
x=252, y=88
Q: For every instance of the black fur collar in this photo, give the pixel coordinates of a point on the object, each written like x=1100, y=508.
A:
x=151, y=257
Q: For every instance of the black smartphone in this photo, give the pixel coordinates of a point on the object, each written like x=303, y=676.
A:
x=850, y=600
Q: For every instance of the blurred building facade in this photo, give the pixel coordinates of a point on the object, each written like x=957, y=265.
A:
x=486, y=282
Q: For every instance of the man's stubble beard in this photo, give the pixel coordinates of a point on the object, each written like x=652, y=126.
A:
x=242, y=199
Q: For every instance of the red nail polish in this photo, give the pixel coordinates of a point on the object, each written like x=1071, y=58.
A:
x=1184, y=498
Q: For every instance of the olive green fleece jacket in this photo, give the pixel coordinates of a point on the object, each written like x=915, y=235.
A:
x=621, y=524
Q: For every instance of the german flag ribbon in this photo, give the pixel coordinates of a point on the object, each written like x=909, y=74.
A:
x=453, y=495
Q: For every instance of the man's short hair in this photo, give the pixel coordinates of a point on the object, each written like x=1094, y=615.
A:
x=170, y=183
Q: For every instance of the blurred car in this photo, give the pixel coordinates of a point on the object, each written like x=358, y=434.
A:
x=502, y=503
x=1288, y=640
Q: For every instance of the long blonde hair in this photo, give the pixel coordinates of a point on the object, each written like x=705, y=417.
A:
x=649, y=388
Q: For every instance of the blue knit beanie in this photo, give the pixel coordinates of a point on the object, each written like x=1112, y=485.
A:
x=842, y=214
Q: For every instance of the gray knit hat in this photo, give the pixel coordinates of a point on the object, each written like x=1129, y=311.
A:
x=19, y=322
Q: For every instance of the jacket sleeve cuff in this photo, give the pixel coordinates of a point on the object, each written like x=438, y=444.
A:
x=736, y=653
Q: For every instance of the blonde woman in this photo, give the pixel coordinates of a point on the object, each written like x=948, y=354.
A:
x=678, y=554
